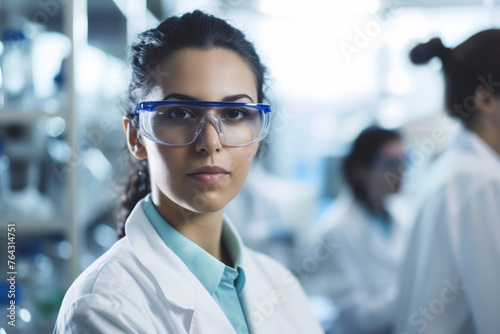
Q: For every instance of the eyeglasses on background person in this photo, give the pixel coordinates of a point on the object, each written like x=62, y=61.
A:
x=178, y=123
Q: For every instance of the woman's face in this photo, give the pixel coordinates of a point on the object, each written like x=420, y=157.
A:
x=207, y=75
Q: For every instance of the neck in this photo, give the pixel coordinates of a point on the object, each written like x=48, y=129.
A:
x=204, y=229
x=488, y=132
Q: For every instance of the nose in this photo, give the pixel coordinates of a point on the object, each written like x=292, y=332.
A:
x=208, y=140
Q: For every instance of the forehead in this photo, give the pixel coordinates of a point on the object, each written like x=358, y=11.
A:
x=206, y=74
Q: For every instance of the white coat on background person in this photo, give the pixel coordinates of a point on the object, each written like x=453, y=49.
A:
x=141, y=286
x=361, y=275
x=451, y=274
x=450, y=280
x=369, y=234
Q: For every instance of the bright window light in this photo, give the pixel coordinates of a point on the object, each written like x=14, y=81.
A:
x=25, y=315
x=318, y=7
x=323, y=126
x=399, y=82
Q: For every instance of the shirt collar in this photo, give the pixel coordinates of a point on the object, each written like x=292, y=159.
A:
x=206, y=268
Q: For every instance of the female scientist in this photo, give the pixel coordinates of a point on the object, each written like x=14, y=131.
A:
x=452, y=268
x=361, y=275
x=180, y=267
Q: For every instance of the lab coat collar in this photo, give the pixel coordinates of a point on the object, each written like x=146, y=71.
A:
x=178, y=285
x=233, y=242
x=174, y=278
x=207, y=269
x=470, y=141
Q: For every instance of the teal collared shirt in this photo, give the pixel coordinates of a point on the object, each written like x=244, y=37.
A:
x=224, y=283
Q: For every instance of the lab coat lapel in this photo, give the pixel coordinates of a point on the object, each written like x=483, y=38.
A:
x=253, y=300
x=167, y=269
x=178, y=285
x=262, y=300
x=208, y=315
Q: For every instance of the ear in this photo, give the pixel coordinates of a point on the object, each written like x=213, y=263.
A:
x=134, y=144
x=484, y=101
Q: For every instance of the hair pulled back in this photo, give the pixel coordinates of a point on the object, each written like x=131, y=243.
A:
x=469, y=66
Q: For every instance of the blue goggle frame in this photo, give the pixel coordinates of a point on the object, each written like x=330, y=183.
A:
x=151, y=105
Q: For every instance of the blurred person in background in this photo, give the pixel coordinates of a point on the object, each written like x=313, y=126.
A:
x=450, y=282
x=180, y=266
x=360, y=276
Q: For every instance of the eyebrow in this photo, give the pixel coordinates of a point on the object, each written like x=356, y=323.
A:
x=230, y=98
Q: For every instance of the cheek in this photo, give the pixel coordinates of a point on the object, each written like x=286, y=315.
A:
x=165, y=163
x=378, y=178
x=241, y=160
x=390, y=180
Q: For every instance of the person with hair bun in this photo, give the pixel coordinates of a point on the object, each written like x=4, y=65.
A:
x=452, y=267
x=195, y=122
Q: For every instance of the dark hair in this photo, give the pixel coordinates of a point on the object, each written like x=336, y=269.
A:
x=470, y=65
x=152, y=47
x=363, y=153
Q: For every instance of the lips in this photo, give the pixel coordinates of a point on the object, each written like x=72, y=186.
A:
x=209, y=174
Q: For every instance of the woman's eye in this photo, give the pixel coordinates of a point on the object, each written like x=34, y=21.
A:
x=180, y=113
x=234, y=113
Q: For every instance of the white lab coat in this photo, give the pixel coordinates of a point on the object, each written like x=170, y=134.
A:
x=140, y=286
x=451, y=277
x=361, y=275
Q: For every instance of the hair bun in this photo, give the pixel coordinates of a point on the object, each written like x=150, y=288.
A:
x=423, y=52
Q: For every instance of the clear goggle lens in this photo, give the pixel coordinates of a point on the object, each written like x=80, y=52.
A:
x=178, y=124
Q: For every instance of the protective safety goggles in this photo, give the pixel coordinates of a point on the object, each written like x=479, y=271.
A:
x=178, y=123
x=389, y=162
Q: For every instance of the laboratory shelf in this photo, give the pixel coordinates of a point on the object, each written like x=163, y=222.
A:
x=27, y=149
x=9, y=116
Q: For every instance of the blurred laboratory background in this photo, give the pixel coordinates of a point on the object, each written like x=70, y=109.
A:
x=335, y=68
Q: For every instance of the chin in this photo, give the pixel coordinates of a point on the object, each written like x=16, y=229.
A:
x=209, y=198
x=206, y=203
